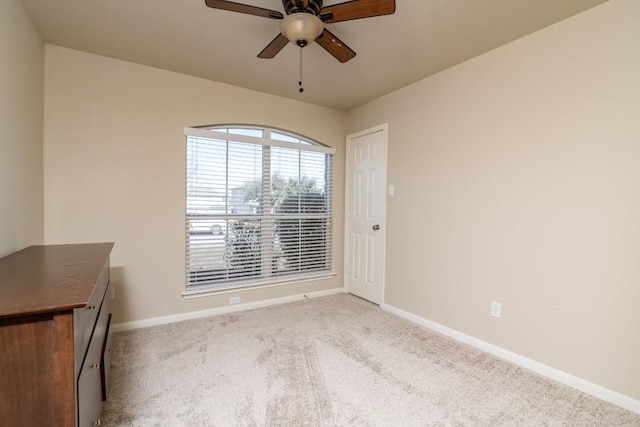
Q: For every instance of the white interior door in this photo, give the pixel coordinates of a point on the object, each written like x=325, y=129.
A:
x=365, y=218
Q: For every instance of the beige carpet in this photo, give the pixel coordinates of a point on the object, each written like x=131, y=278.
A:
x=331, y=361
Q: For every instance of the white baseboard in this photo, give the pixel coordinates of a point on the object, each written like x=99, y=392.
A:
x=600, y=392
x=163, y=320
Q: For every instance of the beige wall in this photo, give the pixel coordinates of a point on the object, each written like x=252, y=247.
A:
x=21, y=111
x=114, y=169
x=517, y=180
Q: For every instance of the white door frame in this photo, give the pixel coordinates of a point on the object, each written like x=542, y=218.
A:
x=384, y=128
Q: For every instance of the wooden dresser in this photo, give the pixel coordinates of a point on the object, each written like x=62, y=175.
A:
x=54, y=335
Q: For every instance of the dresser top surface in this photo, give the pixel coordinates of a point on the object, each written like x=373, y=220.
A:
x=49, y=278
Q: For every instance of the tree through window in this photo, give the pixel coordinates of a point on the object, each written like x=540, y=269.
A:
x=258, y=207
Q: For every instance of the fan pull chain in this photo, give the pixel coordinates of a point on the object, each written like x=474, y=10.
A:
x=300, y=73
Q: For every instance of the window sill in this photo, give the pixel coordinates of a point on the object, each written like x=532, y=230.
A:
x=253, y=285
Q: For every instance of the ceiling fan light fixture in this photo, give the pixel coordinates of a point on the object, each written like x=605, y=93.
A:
x=301, y=28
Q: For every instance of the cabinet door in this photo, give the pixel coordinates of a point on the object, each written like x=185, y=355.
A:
x=27, y=388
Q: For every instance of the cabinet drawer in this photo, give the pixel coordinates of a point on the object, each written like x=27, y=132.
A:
x=105, y=365
x=84, y=318
x=90, y=378
x=90, y=388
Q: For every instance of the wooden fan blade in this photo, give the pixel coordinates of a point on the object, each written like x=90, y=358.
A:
x=335, y=46
x=244, y=8
x=357, y=9
x=274, y=47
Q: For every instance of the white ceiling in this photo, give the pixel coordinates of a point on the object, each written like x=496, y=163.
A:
x=420, y=39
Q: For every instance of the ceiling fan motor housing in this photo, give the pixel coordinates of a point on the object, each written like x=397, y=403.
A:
x=307, y=6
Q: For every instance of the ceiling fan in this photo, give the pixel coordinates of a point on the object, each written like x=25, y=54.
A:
x=304, y=22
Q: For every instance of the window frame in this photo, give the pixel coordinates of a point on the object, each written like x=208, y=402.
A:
x=265, y=216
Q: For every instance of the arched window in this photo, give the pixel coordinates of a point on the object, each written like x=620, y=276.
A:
x=258, y=207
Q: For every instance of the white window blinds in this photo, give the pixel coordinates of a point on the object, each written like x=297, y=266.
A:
x=258, y=208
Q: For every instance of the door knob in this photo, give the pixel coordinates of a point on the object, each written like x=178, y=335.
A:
x=376, y=227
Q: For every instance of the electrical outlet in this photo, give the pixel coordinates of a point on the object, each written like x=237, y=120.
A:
x=234, y=300
x=496, y=309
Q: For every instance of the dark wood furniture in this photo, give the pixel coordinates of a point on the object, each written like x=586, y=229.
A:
x=54, y=335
